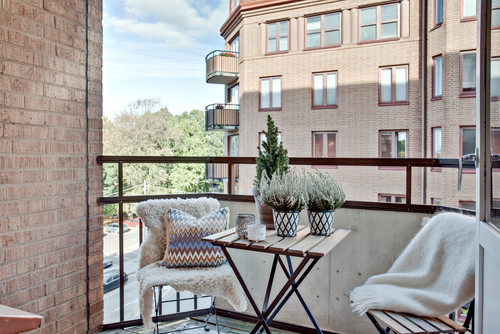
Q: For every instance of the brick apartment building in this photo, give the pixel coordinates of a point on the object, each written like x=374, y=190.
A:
x=358, y=79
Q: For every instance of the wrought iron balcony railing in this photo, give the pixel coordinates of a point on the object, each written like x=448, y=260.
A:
x=222, y=66
x=222, y=116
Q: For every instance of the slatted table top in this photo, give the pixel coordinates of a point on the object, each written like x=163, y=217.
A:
x=302, y=245
x=403, y=323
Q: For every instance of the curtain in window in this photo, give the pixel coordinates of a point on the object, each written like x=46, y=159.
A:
x=386, y=87
x=438, y=76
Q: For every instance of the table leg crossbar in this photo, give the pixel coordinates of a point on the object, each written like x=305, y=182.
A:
x=295, y=278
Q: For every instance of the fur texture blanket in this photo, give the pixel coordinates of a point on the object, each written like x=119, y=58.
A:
x=216, y=281
x=432, y=277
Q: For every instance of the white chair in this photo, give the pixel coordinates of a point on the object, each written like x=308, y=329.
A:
x=218, y=281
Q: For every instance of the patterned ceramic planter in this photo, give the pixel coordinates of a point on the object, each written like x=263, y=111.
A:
x=321, y=221
x=286, y=222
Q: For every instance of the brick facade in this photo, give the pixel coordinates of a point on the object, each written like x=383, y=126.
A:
x=50, y=249
x=359, y=118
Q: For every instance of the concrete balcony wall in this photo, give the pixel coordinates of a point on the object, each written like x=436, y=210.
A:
x=377, y=238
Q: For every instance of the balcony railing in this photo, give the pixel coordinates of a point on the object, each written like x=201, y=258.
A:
x=244, y=202
x=222, y=116
x=222, y=66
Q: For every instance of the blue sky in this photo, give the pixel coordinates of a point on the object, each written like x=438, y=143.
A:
x=157, y=49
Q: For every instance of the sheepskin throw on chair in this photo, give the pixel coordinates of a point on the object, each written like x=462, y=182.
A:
x=432, y=277
x=218, y=281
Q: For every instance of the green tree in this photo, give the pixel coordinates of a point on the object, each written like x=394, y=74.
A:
x=145, y=128
x=273, y=157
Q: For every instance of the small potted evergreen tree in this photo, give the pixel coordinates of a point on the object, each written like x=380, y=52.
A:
x=273, y=158
x=285, y=194
x=324, y=195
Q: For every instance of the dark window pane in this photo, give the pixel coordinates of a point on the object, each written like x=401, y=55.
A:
x=468, y=141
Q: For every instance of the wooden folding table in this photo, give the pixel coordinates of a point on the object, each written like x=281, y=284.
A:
x=309, y=247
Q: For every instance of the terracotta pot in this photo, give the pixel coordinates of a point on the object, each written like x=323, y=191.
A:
x=264, y=213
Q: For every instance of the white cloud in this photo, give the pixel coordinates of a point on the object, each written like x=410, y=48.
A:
x=182, y=23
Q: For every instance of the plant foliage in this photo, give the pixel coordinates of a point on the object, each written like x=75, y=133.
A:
x=273, y=157
x=283, y=191
x=323, y=192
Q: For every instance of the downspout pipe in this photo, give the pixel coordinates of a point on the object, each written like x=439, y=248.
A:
x=87, y=178
x=423, y=93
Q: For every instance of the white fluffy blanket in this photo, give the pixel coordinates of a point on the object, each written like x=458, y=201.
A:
x=218, y=281
x=432, y=277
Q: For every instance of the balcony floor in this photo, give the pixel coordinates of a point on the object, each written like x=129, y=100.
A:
x=226, y=325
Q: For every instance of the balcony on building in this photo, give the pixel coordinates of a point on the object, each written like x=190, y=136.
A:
x=222, y=116
x=222, y=66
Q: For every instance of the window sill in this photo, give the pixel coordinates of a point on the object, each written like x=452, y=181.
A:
x=324, y=167
x=436, y=98
x=276, y=53
x=468, y=19
x=436, y=169
x=436, y=26
x=384, y=104
x=333, y=106
x=269, y=109
x=391, y=168
x=379, y=40
x=322, y=47
x=467, y=95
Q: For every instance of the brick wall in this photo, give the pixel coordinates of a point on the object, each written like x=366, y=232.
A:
x=358, y=118
x=43, y=174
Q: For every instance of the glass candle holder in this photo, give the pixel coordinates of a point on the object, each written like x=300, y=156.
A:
x=257, y=232
x=242, y=222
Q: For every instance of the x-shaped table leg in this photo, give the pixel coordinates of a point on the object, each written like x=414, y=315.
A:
x=262, y=320
x=292, y=276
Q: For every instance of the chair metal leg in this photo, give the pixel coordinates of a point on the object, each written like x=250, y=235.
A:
x=158, y=301
x=380, y=329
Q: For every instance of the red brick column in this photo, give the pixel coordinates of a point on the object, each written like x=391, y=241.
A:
x=51, y=125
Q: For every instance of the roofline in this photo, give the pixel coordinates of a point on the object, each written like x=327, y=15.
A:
x=250, y=6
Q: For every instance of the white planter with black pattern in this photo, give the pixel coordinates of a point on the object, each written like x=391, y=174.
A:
x=286, y=222
x=321, y=221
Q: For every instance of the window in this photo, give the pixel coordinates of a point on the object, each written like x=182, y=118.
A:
x=379, y=23
x=323, y=30
x=393, y=144
x=270, y=93
x=235, y=44
x=390, y=198
x=277, y=37
x=495, y=14
x=468, y=73
x=233, y=142
x=436, y=142
x=468, y=140
x=262, y=139
x=468, y=8
x=437, y=201
x=234, y=95
x=467, y=205
x=437, y=77
x=324, y=144
x=325, y=90
x=438, y=12
x=393, y=86
x=495, y=78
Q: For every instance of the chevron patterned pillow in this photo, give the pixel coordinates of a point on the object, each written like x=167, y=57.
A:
x=184, y=233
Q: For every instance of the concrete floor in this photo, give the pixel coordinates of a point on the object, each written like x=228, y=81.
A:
x=226, y=326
